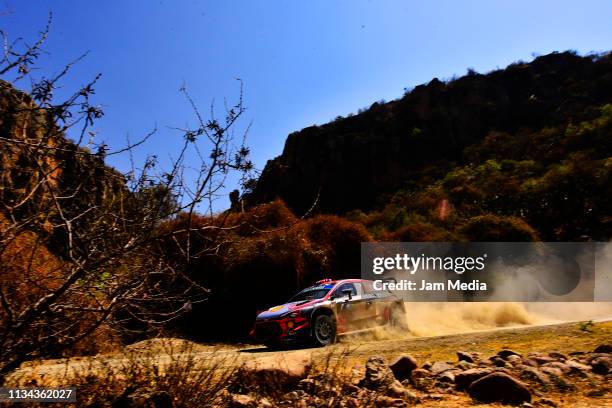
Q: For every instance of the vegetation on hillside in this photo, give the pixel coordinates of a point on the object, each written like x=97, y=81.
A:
x=526, y=149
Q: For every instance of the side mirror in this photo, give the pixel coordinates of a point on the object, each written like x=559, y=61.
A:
x=348, y=292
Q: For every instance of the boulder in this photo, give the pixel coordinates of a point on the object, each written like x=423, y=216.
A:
x=439, y=367
x=464, y=365
x=498, y=361
x=557, y=356
x=378, y=374
x=463, y=356
x=576, y=367
x=403, y=366
x=603, y=348
x=564, y=368
x=242, y=401
x=467, y=377
x=396, y=389
x=420, y=378
x=529, y=373
x=514, y=359
x=602, y=365
x=271, y=373
x=507, y=352
x=540, y=358
x=446, y=377
x=499, y=387
x=385, y=402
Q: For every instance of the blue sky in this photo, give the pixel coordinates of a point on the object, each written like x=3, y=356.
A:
x=302, y=62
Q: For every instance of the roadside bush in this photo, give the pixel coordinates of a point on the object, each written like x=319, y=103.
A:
x=495, y=228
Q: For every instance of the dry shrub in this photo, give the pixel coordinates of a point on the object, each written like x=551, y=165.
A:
x=28, y=271
x=173, y=375
x=421, y=232
x=490, y=227
x=262, y=218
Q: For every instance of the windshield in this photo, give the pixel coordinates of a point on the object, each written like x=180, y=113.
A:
x=311, y=294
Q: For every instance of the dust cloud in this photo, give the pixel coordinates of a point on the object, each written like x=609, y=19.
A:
x=434, y=319
x=437, y=319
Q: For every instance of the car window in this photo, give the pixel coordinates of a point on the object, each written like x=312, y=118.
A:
x=367, y=287
x=310, y=294
x=339, y=290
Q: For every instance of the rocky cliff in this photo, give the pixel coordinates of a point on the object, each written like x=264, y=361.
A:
x=349, y=163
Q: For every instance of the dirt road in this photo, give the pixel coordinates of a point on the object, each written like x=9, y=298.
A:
x=565, y=338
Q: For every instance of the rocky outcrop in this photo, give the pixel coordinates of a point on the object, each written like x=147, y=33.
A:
x=347, y=164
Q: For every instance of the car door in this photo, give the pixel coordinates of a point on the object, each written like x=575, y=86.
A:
x=349, y=311
x=372, y=307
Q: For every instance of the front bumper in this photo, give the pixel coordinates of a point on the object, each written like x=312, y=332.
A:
x=286, y=330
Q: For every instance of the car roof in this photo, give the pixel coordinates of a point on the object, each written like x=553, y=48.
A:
x=337, y=281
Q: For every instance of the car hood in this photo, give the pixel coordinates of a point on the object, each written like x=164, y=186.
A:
x=277, y=311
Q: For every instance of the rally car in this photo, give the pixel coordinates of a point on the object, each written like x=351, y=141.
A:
x=320, y=313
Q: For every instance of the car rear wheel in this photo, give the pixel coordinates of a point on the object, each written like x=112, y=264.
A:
x=324, y=330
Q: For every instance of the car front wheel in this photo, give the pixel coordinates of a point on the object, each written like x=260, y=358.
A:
x=324, y=330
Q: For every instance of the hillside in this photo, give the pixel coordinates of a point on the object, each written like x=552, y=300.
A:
x=531, y=141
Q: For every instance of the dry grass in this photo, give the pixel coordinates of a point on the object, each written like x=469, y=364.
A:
x=192, y=375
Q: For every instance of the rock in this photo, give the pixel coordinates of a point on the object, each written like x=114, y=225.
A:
x=403, y=366
x=264, y=403
x=514, y=359
x=578, y=369
x=384, y=402
x=555, y=376
x=396, y=389
x=498, y=361
x=507, y=352
x=530, y=362
x=557, y=356
x=348, y=389
x=144, y=398
x=540, y=358
x=529, y=373
x=557, y=365
x=464, y=365
x=378, y=374
x=426, y=365
x=271, y=374
x=421, y=379
x=546, y=402
x=601, y=365
x=598, y=392
x=309, y=385
x=463, y=356
x=499, y=387
x=439, y=367
x=603, y=348
x=467, y=377
x=242, y=401
x=446, y=377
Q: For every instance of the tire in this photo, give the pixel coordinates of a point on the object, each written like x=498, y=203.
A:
x=324, y=330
